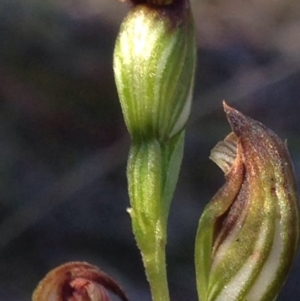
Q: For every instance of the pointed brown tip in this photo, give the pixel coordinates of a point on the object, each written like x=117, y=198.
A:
x=237, y=120
x=225, y=105
x=229, y=110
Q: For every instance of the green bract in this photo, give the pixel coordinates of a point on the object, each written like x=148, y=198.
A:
x=154, y=64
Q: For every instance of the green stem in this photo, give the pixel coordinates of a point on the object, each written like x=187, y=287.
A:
x=157, y=276
x=152, y=174
x=145, y=182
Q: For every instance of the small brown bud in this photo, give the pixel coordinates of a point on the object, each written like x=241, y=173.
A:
x=77, y=281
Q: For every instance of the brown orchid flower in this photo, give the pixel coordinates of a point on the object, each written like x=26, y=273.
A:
x=77, y=281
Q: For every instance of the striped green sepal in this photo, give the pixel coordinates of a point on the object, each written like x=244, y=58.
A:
x=154, y=65
x=248, y=234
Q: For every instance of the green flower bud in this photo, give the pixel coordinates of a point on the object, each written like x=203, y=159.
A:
x=248, y=234
x=154, y=65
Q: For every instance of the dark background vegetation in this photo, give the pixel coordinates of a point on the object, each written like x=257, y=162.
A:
x=63, y=143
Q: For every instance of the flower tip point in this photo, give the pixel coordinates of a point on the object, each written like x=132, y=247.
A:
x=228, y=109
x=224, y=104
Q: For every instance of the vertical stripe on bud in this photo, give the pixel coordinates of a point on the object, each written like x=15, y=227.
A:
x=248, y=234
x=154, y=65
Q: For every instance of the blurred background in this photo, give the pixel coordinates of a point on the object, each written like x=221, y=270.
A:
x=63, y=142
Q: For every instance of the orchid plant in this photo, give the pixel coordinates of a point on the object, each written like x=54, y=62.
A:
x=248, y=233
